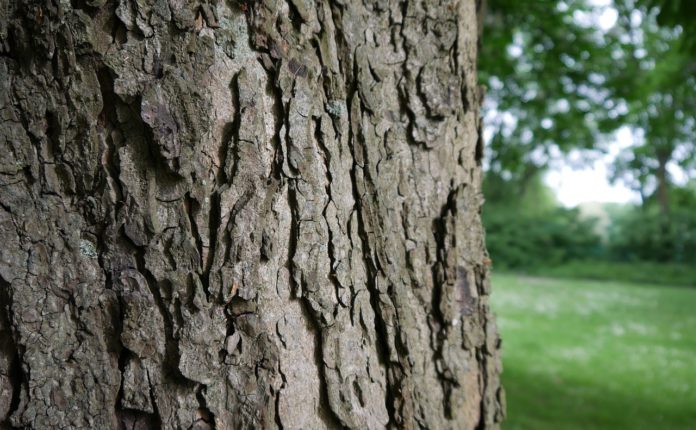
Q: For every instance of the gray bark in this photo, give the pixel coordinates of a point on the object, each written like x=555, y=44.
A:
x=243, y=215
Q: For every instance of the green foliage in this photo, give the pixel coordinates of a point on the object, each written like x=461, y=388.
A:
x=527, y=231
x=546, y=72
x=681, y=13
x=557, y=82
x=529, y=196
x=596, y=355
x=526, y=228
x=660, y=92
x=518, y=240
x=646, y=234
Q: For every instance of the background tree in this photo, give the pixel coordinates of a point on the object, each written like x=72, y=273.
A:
x=565, y=85
x=661, y=96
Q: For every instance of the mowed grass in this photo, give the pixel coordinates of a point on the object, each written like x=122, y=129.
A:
x=596, y=355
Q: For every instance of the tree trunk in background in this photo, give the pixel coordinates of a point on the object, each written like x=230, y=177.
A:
x=663, y=184
x=252, y=215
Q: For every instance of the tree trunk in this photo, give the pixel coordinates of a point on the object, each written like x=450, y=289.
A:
x=242, y=215
x=662, y=191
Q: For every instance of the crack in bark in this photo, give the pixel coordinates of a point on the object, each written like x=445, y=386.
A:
x=13, y=373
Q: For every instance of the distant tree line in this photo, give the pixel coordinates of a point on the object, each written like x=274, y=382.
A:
x=557, y=83
x=530, y=230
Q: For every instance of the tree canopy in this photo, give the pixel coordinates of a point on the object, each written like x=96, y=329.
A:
x=565, y=75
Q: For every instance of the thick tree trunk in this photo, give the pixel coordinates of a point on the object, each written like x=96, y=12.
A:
x=242, y=215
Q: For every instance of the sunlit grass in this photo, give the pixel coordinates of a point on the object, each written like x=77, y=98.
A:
x=597, y=355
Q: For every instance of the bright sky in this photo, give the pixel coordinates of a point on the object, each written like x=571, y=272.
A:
x=608, y=15
x=573, y=187
x=590, y=183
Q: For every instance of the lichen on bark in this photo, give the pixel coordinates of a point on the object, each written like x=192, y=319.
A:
x=220, y=214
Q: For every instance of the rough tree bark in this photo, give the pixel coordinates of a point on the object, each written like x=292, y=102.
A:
x=243, y=215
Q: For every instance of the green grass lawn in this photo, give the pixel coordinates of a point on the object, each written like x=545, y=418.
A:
x=596, y=355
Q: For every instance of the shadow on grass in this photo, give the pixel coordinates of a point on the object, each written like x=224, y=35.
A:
x=544, y=401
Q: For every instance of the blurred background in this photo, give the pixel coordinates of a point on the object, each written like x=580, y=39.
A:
x=590, y=209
